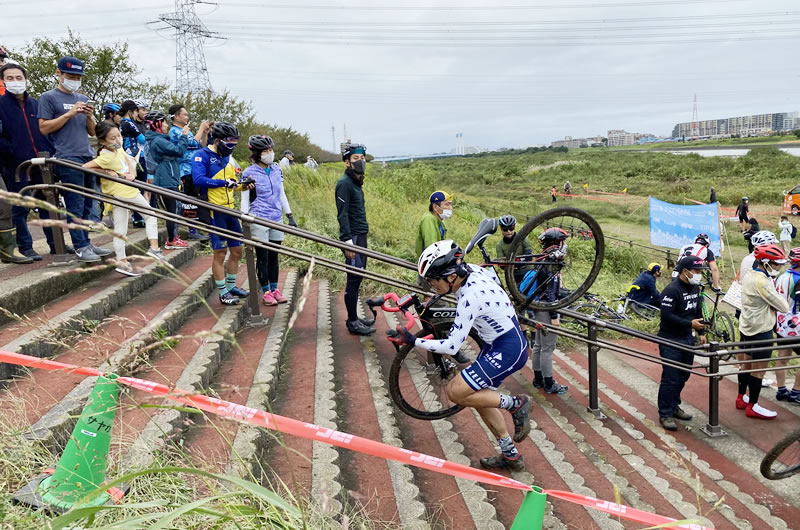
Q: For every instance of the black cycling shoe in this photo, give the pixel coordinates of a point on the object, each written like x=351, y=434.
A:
x=681, y=414
x=538, y=384
x=228, y=298
x=461, y=358
x=356, y=327
x=238, y=291
x=521, y=417
x=502, y=462
x=369, y=322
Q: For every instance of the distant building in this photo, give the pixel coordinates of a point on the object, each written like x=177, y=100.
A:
x=468, y=150
x=617, y=137
x=740, y=125
x=570, y=142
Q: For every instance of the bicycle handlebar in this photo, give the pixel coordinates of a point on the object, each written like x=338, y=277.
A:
x=402, y=305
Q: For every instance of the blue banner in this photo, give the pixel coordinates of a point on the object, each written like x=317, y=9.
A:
x=675, y=225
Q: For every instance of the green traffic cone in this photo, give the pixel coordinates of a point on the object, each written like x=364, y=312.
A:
x=82, y=467
x=531, y=514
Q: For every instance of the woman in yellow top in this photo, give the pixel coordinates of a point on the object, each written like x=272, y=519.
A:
x=111, y=158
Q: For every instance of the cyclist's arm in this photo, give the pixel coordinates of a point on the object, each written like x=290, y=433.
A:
x=767, y=291
x=714, y=274
x=459, y=331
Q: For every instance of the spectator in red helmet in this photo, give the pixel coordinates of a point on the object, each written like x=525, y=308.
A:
x=760, y=303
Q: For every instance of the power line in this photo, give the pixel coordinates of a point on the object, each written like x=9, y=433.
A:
x=371, y=7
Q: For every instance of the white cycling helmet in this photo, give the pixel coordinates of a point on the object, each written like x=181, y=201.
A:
x=441, y=259
x=763, y=237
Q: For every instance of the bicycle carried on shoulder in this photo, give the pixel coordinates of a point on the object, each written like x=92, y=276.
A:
x=417, y=378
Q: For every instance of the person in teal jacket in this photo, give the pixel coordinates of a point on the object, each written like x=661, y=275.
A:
x=167, y=156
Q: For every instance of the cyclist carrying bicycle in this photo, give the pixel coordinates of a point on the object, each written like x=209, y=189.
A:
x=484, y=305
x=643, y=290
x=700, y=248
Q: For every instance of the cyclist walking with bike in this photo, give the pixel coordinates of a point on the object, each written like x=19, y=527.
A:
x=700, y=248
x=681, y=317
x=484, y=304
x=760, y=302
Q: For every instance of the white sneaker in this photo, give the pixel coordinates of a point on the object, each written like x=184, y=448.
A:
x=157, y=254
x=766, y=382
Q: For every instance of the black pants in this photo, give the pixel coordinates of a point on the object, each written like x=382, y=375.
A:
x=267, y=266
x=353, y=280
x=673, y=379
x=170, y=205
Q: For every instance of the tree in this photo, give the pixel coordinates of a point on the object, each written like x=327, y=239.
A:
x=111, y=75
x=796, y=132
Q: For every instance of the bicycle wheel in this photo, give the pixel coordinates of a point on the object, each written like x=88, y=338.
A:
x=577, y=270
x=418, y=379
x=783, y=460
x=644, y=311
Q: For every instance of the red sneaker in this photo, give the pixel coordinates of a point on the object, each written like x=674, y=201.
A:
x=176, y=243
x=741, y=401
x=754, y=410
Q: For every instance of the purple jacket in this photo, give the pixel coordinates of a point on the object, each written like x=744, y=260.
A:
x=269, y=200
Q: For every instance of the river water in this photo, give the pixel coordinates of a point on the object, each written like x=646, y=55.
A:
x=731, y=153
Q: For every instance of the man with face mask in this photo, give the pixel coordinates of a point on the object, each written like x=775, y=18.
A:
x=760, y=302
x=21, y=140
x=214, y=177
x=681, y=316
x=431, y=228
x=353, y=229
x=68, y=119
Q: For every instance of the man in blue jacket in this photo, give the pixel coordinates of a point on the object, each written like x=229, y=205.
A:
x=644, y=288
x=21, y=140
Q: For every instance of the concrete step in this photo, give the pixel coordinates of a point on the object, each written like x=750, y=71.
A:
x=24, y=288
x=54, y=326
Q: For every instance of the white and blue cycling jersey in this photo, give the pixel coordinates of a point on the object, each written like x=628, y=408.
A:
x=482, y=304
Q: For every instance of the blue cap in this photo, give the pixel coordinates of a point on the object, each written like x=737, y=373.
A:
x=439, y=196
x=71, y=65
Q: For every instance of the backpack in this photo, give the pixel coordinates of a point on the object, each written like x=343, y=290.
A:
x=148, y=159
x=794, y=231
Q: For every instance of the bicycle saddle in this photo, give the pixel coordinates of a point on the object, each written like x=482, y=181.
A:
x=486, y=228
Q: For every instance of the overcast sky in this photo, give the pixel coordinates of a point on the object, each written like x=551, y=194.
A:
x=405, y=78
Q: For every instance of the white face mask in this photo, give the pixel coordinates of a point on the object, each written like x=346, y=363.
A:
x=773, y=272
x=16, y=87
x=268, y=158
x=71, y=85
x=695, y=279
x=446, y=214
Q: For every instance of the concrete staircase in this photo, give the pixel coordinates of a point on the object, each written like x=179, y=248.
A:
x=318, y=373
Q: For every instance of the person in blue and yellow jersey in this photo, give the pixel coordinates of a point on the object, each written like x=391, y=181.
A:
x=214, y=177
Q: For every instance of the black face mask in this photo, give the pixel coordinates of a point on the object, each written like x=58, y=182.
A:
x=223, y=150
x=359, y=166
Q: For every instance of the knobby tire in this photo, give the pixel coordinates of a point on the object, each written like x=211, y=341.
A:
x=576, y=292
x=788, y=448
x=440, y=331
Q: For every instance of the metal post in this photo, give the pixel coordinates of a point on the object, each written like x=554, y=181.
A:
x=712, y=428
x=252, y=279
x=594, y=406
x=51, y=196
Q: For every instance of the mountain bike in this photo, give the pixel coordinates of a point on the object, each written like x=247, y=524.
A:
x=598, y=308
x=783, y=460
x=720, y=327
x=418, y=378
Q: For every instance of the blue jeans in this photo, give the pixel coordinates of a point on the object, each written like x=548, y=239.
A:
x=673, y=379
x=19, y=216
x=78, y=206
